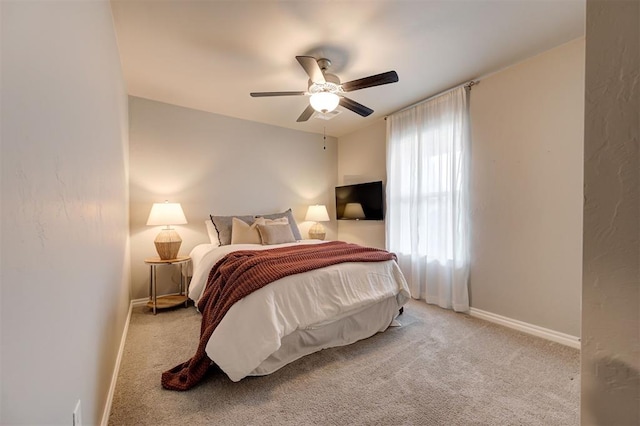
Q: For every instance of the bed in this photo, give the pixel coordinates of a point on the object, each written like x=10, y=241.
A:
x=295, y=315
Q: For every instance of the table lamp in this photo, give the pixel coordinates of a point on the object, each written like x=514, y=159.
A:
x=168, y=241
x=317, y=214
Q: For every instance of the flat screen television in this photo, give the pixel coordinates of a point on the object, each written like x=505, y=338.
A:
x=360, y=202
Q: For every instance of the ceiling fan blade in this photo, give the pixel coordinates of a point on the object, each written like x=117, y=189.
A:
x=265, y=94
x=306, y=114
x=371, y=81
x=311, y=67
x=355, y=107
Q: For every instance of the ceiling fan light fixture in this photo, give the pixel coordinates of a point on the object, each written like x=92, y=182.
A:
x=324, y=102
x=327, y=92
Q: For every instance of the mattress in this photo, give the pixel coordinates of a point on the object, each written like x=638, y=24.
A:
x=298, y=314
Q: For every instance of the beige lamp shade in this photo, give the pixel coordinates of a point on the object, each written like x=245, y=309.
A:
x=317, y=214
x=166, y=214
x=354, y=211
x=168, y=241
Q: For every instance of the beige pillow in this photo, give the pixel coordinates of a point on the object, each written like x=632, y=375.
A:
x=292, y=221
x=276, y=233
x=243, y=233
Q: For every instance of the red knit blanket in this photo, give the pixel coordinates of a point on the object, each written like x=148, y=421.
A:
x=242, y=272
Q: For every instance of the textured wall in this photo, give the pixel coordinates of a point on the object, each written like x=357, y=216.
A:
x=526, y=190
x=362, y=158
x=611, y=285
x=215, y=164
x=64, y=265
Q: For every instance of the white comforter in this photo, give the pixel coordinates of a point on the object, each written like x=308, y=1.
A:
x=254, y=327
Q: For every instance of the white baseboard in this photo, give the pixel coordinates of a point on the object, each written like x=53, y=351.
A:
x=545, y=333
x=139, y=302
x=116, y=370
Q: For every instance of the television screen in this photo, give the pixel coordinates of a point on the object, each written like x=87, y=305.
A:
x=359, y=202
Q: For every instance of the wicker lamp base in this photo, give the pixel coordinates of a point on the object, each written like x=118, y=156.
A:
x=168, y=244
x=317, y=232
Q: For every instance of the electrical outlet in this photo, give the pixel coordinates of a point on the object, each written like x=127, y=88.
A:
x=77, y=415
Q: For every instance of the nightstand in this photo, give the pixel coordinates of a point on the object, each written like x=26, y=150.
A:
x=160, y=302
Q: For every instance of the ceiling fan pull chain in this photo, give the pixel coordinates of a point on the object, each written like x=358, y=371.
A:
x=324, y=137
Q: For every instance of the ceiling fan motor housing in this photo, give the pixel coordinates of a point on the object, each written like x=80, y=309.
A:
x=331, y=84
x=324, y=64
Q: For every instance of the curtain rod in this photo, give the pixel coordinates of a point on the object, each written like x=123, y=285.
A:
x=469, y=84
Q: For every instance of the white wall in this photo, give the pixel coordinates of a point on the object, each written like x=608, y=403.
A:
x=527, y=134
x=526, y=190
x=610, y=374
x=213, y=164
x=64, y=263
x=362, y=158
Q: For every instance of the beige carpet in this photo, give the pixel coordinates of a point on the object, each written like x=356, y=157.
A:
x=439, y=368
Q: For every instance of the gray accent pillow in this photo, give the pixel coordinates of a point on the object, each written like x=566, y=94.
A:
x=224, y=225
x=292, y=222
x=275, y=234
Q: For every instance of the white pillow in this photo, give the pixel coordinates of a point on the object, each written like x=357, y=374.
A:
x=243, y=233
x=213, y=234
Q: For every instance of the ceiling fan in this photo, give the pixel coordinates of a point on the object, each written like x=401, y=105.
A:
x=325, y=90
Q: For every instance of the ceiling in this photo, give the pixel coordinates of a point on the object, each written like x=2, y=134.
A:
x=209, y=55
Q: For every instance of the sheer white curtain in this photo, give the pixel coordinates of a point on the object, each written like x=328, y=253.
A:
x=427, y=220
